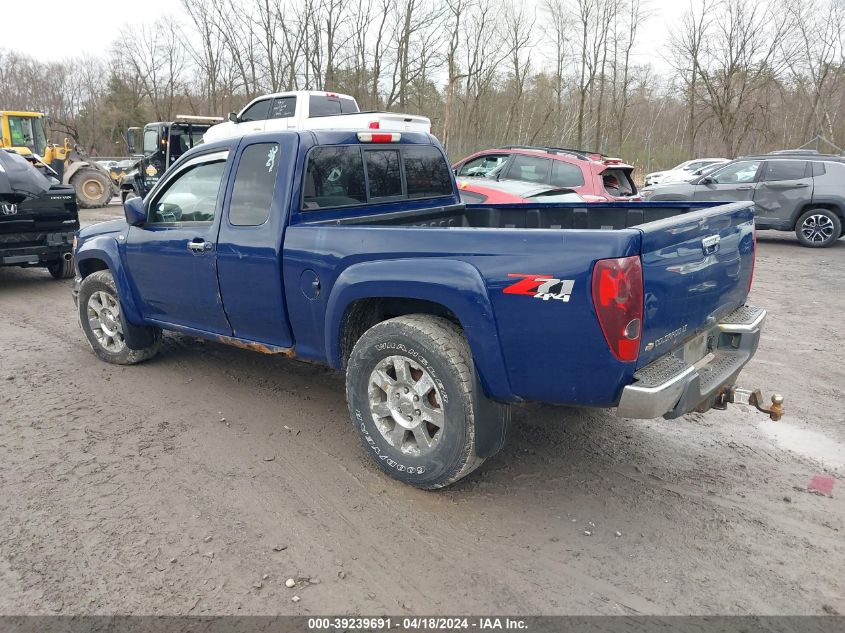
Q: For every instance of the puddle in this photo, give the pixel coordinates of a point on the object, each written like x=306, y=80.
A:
x=808, y=443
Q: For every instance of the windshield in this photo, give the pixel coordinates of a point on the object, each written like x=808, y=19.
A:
x=28, y=132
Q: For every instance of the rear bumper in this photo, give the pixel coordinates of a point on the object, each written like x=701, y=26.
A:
x=672, y=386
x=54, y=246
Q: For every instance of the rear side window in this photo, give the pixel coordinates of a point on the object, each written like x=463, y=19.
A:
x=326, y=106
x=426, y=172
x=529, y=168
x=256, y=112
x=566, y=175
x=255, y=182
x=282, y=108
x=334, y=176
x=818, y=169
x=785, y=170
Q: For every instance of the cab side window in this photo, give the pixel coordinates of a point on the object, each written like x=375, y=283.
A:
x=741, y=172
x=256, y=112
x=191, y=196
x=255, y=182
x=483, y=165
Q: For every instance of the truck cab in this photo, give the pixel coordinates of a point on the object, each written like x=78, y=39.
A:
x=157, y=146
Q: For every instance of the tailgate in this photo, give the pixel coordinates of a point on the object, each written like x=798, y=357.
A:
x=53, y=211
x=697, y=268
x=403, y=122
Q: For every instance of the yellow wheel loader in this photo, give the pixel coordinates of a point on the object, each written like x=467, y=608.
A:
x=24, y=132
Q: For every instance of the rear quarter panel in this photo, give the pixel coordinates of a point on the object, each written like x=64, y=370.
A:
x=549, y=350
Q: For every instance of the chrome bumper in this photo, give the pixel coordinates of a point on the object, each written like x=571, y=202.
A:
x=670, y=386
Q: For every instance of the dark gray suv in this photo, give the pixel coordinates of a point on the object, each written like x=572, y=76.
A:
x=791, y=192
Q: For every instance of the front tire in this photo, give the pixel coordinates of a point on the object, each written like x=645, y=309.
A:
x=93, y=188
x=411, y=393
x=61, y=268
x=818, y=228
x=105, y=327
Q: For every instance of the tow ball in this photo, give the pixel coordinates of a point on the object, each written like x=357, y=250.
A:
x=737, y=395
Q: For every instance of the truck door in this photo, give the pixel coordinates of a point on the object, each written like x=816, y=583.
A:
x=733, y=183
x=249, y=248
x=254, y=118
x=171, y=257
x=282, y=115
x=785, y=186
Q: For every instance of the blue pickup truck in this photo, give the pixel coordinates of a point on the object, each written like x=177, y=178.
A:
x=353, y=249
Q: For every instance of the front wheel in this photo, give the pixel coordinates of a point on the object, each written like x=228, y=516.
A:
x=411, y=393
x=106, y=328
x=818, y=228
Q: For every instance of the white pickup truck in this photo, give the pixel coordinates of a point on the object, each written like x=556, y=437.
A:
x=311, y=110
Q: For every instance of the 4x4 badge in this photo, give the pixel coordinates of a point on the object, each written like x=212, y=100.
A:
x=541, y=287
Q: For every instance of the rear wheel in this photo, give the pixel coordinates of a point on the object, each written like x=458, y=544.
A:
x=61, y=268
x=411, y=393
x=818, y=228
x=104, y=325
x=93, y=188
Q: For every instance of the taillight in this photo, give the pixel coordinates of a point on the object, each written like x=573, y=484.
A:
x=374, y=125
x=753, y=256
x=618, y=299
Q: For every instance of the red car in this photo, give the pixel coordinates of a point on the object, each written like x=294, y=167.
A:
x=478, y=190
x=597, y=178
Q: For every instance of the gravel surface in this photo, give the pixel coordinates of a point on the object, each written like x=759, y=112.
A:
x=214, y=480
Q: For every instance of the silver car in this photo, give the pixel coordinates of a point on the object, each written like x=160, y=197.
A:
x=791, y=192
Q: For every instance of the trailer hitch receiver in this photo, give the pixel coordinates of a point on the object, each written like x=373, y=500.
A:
x=738, y=395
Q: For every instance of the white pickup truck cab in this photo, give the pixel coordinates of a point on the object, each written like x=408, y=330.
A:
x=310, y=110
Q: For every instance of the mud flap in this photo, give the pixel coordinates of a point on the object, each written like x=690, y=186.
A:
x=492, y=422
x=137, y=337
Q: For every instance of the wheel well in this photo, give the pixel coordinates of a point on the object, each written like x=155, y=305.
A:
x=363, y=314
x=830, y=207
x=89, y=266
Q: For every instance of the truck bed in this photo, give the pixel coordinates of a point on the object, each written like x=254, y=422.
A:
x=563, y=215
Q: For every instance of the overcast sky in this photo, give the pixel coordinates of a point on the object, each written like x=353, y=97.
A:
x=90, y=26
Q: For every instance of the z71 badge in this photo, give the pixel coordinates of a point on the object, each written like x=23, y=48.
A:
x=541, y=287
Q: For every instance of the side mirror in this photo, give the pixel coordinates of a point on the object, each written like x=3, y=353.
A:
x=233, y=117
x=707, y=180
x=133, y=209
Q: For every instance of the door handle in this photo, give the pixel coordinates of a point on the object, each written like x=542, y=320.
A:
x=200, y=247
x=744, y=188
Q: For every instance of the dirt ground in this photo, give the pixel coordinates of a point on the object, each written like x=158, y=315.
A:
x=199, y=482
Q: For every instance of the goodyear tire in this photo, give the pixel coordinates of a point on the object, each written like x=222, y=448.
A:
x=105, y=327
x=61, y=268
x=93, y=188
x=411, y=393
x=818, y=228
